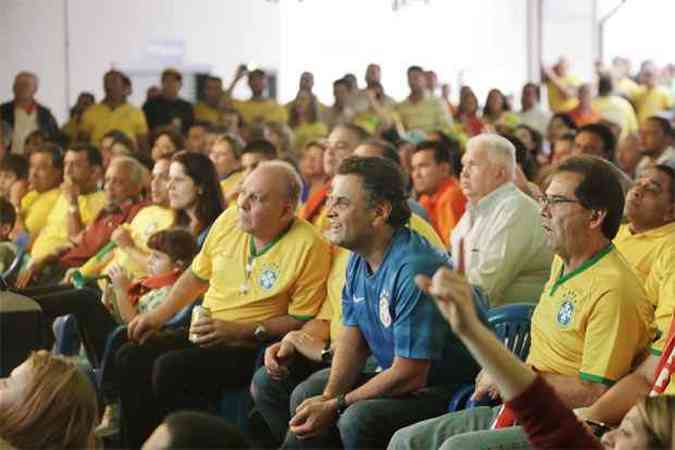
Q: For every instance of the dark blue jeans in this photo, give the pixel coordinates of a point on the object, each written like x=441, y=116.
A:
x=272, y=397
x=368, y=424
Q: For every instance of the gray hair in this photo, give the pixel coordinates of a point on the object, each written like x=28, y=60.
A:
x=5, y=133
x=499, y=150
x=292, y=179
x=136, y=170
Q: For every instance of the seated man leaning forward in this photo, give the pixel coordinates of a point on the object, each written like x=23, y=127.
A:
x=262, y=272
x=506, y=251
x=384, y=315
x=591, y=322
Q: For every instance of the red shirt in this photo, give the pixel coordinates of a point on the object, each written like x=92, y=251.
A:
x=98, y=233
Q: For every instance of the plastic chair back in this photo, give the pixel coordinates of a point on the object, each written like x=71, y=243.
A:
x=511, y=323
x=11, y=272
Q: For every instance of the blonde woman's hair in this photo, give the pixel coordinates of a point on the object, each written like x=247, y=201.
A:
x=658, y=418
x=58, y=409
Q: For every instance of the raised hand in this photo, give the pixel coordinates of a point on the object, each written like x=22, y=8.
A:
x=452, y=294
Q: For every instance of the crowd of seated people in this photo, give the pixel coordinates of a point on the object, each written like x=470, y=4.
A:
x=303, y=228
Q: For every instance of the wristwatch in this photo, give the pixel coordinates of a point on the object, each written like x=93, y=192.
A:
x=341, y=403
x=327, y=354
x=260, y=333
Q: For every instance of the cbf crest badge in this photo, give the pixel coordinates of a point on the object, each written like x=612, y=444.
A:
x=566, y=312
x=385, y=317
x=268, y=277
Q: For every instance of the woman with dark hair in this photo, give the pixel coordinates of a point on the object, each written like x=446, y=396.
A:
x=166, y=143
x=496, y=111
x=533, y=141
x=559, y=125
x=194, y=192
x=467, y=112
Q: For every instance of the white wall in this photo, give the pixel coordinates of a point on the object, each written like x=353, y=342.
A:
x=483, y=42
x=568, y=28
x=32, y=38
x=484, y=39
x=105, y=34
x=642, y=30
x=217, y=33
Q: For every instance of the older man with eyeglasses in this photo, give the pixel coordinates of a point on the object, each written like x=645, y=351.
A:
x=592, y=322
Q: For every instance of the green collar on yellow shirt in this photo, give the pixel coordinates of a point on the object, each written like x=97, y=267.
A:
x=586, y=265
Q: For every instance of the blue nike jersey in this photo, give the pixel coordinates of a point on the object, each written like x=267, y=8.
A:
x=398, y=319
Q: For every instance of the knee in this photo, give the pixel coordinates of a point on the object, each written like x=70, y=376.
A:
x=356, y=424
x=306, y=389
x=461, y=441
x=128, y=357
x=261, y=384
x=403, y=439
x=167, y=373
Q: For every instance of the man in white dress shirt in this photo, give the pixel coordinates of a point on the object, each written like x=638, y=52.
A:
x=504, y=242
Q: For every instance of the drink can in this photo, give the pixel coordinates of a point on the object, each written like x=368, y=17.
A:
x=198, y=312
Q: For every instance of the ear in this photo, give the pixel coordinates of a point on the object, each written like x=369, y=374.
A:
x=5, y=229
x=445, y=167
x=382, y=212
x=669, y=215
x=597, y=218
x=97, y=173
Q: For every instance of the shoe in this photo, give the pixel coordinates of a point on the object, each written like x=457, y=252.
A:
x=110, y=422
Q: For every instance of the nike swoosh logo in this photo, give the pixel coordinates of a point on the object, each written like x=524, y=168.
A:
x=359, y=299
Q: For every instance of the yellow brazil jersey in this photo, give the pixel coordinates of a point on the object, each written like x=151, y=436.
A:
x=332, y=307
x=651, y=102
x=309, y=132
x=54, y=235
x=35, y=208
x=556, y=101
x=642, y=249
x=266, y=110
x=149, y=220
x=100, y=118
x=660, y=288
x=288, y=277
x=592, y=322
x=231, y=181
x=206, y=113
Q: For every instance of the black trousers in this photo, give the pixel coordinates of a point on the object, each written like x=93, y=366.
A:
x=94, y=320
x=169, y=373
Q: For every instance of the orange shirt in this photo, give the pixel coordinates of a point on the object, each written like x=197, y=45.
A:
x=445, y=207
x=584, y=118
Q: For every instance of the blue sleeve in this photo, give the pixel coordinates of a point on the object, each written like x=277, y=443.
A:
x=348, y=314
x=418, y=326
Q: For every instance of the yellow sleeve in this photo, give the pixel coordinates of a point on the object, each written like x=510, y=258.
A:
x=139, y=124
x=202, y=263
x=326, y=311
x=309, y=291
x=91, y=205
x=614, y=336
x=660, y=286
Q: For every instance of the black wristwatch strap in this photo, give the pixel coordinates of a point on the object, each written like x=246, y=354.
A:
x=341, y=403
x=326, y=354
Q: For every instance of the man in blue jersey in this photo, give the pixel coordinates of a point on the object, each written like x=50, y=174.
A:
x=385, y=315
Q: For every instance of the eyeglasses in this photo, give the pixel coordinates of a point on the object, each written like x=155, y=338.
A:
x=546, y=201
